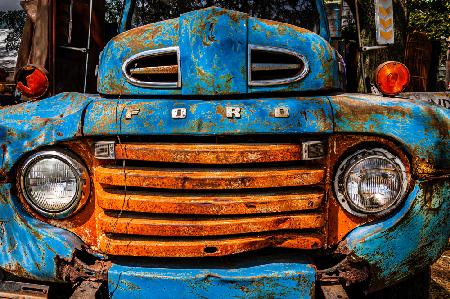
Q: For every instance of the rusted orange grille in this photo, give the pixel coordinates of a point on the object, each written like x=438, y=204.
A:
x=190, y=200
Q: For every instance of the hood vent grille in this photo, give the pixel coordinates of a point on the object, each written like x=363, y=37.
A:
x=275, y=66
x=154, y=68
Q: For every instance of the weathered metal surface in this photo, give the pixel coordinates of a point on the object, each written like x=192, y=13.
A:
x=405, y=242
x=29, y=247
x=269, y=280
x=50, y=119
x=87, y=289
x=341, y=222
x=321, y=57
x=20, y=290
x=438, y=98
x=154, y=247
x=27, y=126
x=207, y=179
x=347, y=272
x=160, y=226
x=153, y=117
x=188, y=224
x=214, y=47
x=334, y=291
x=208, y=204
x=209, y=153
x=423, y=129
x=165, y=69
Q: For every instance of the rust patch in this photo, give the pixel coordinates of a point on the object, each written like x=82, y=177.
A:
x=82, y=267
x=207, y=180
x=209, y=153
x=167, y=227
x=203, y=248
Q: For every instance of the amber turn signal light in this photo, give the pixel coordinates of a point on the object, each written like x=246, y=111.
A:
x=32, y=81
x=391, y=77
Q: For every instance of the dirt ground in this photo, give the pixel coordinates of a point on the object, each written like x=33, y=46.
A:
x=440, y=283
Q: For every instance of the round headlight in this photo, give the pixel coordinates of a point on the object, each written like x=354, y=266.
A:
x=370, y=182
x=52, y=183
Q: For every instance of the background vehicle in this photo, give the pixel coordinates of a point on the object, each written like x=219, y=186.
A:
x=219, y=158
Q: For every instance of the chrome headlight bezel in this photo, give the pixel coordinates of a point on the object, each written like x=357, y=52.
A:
x=82, y=182
x=342, y=173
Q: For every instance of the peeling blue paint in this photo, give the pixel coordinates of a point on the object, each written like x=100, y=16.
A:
x=422, y=128
x=30, y=248
x=213, y=44
x=408, y=241
x=307, y=115
x=272, y=280
x=27, y=126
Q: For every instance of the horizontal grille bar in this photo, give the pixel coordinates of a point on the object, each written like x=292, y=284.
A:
x=208, y=204
x=210, y=153
x=166, y=178
x=127, y=245
x=217, y=227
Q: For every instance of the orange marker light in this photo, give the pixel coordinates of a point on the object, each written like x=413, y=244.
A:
x=32, y=81
x=391, y=77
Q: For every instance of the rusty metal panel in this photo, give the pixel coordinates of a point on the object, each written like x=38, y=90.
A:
x=204, y=179
x=166, y=216
x=208, y=204
x=154, y=247
x=221, y=38
x=335, y=291
x=209, y=153
x=20, y=290
x=321, y=57
x=111, y=80
x=341, y=222
x=423, y=129
x=213, y=45
x=438, y=98
x=263, y=279
x=307, y=115
x=147, y=225
x=30, y=125
x=30, y=248
x=407, y=241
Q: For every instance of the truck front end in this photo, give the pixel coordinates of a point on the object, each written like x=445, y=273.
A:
x=220, y=160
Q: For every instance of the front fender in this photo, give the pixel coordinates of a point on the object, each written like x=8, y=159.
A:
x=30, y=248
x=422, y=128
x=409, y=240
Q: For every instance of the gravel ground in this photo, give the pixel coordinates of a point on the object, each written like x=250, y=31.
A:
x=440, y=272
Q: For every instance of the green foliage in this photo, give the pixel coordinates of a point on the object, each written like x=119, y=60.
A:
x=430, y=17
x=15, y=21
x=113, y=9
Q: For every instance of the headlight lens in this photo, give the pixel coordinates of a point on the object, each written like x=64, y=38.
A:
x=371, y=182
x=52, y=183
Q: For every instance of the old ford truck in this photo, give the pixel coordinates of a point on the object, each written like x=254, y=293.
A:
x=213, y=154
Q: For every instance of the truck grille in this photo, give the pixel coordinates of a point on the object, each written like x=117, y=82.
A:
x=193, y=200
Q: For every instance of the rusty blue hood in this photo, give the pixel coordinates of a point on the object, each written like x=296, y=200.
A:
x=213, y=48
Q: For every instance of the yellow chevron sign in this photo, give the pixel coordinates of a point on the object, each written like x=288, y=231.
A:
x=384, y=21
x=385, y=12
x=387, y=35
